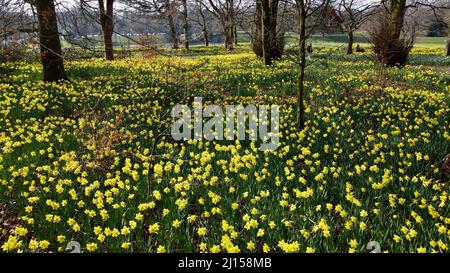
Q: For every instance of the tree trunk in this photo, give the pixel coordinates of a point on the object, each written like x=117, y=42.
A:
x=269, y=15
x=173, y=32
x=232, y=33
x=205, y=36
x=185, y=24
x=204, y=28
x=302, y=64
x=172, y=28
x=5, y=41
x=397, y=14
x=236, y=42
x=350, y=42
x=232, y=21
x=398, y=49
x=447, y=51
x=228, y=33
x=107, y=24
x=50, y=45
x=390, y=47
x=257, y=34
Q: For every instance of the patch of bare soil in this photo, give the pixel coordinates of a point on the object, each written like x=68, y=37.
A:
x=8, y=221
x=442, y=69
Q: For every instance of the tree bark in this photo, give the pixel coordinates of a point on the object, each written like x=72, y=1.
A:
x=228, y=33
x=204, y=28
x=257, y=35
x=172, y=28
x=173, y=32
x=397, y=14
x=185, y=24
x=225, y=15
x=232, y=21
x=231, y=29
x=447, y=51
x=205, y=36
x=107, y=24
x=269, y=9
x=350, y=43
x=302, y=64
x=397, y=51
x=50, y=45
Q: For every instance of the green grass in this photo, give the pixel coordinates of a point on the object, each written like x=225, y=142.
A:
x=316, y=39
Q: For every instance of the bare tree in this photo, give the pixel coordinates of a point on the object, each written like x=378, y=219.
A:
x=393, y=49
x=438, y=10
x=225, y=11
x=16, y=19
x=9, y=13
x=353, y=14
x=165, y=8
x=201, y=20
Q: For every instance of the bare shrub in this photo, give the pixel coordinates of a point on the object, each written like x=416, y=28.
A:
x=17, y=49
x=80, y=53
x=389, y=50
x=277, y=50
x=148, y=46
